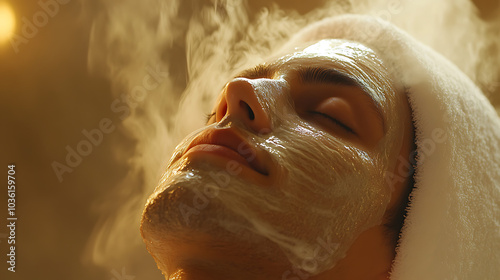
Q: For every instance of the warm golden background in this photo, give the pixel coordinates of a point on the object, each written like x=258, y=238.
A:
x=47, y=98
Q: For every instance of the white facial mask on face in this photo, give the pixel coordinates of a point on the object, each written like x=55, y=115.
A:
x=328, y=193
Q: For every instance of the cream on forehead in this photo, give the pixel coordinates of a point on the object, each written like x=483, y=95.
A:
x=334, y=48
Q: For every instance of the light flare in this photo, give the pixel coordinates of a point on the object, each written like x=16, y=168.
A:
x=7, y=22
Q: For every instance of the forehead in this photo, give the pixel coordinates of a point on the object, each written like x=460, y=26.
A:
x=329, y=50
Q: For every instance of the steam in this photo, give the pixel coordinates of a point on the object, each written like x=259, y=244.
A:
x=193, y=48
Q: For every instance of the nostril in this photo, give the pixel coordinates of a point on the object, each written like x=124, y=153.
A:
x=246, y=107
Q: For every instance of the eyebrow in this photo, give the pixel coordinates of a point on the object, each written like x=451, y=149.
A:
x=326, y=75
x=259, y=71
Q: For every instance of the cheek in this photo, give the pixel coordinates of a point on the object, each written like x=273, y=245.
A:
x=320, y=168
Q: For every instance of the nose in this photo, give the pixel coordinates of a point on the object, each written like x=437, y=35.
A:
x=240, y=101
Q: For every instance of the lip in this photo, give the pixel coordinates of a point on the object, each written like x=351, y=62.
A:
x=225, y=142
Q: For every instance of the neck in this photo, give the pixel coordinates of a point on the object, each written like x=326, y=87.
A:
x=368, y=258
x=204, y=258
x=222, y=271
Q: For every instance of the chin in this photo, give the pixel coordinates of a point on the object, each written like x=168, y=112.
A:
x=183, y=222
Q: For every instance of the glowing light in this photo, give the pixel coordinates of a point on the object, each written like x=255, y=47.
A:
x=7, y=22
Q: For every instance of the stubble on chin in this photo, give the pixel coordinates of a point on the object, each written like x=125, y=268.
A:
x=164, y=226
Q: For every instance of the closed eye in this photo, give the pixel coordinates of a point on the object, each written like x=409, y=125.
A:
x=333, y=120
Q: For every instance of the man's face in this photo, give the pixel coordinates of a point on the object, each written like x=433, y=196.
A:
x=292, y=163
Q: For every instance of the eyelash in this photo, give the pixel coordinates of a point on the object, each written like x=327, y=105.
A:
x=335, y=121
x=209, y=116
